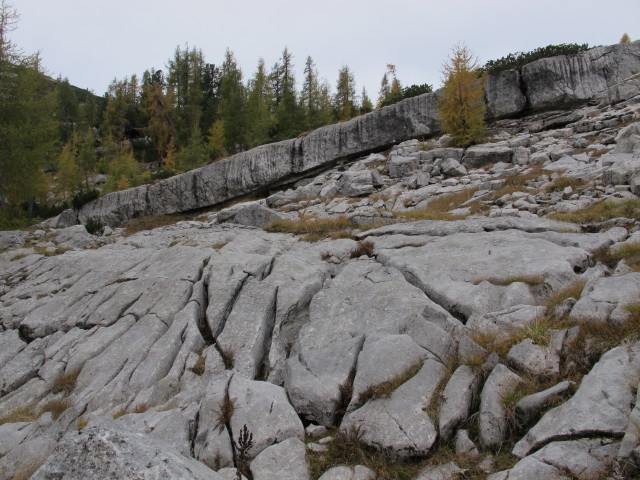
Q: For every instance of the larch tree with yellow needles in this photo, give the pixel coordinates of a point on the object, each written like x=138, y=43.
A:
x=462, y=108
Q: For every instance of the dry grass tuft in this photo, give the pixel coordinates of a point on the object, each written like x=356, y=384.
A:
x=228, y=356
x=560, y=183
x=364, y=247
x=601, y=212
x=531, y=280
x=65, y=383
x=572, y=291
x=439, y=207
x=56, y=406
x=313, y=229
x=224, y=412
x=199, y=366
x=384, y=389
x=630, y=253
x=156, y=221
x=23, y=414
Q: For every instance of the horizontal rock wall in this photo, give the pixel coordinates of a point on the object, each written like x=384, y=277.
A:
x=601, y=73
x=268, y=165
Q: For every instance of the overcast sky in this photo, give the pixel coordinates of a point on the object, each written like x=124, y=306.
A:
x=93, y=41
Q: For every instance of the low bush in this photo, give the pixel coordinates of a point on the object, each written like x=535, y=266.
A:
x=520, y=59
x=83, y=197
x=94, y=227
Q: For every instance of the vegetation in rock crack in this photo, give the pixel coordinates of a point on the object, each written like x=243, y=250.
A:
x=242, y=447
x=65, y=382
x=601, y=212
x=462, y=107
x=572, y=291
x=386, y=388
x=348, y=449
x=199, y=367
x=151, y=222
x=228, y=356
x=438, y=208
x=364, y=247
x=313, y=229
x=531, y=280
x=224, y=412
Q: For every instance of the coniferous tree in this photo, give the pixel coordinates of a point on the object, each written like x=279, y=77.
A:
x=67, y=108
x=462, y=106
x=284, y=90
x=384, y=91
x=69, y=175
x=232, y=104
x=344, y=102
x=366, y=106
x=625, y=38
x=156, y=105
x=258, y=117
x=310, y=95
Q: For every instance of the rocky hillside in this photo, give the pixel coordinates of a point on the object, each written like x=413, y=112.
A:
x=421, y=312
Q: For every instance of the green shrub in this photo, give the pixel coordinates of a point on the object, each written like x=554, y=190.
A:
x=85, y=196
x=94, y=227
x=519, y=59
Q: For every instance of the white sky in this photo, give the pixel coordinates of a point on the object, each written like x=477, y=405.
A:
x=93, y=41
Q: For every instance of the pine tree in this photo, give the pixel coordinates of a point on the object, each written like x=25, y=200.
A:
x=462, y=108
x=625, y=38
x=215, y=139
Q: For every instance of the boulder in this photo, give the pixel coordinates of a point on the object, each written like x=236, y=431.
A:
x=447, y=471
x=494, y=421
x=452, y=168
x=604, y=299
x=620, y=169
x=355, y=183
x=11, y=239
x=253, y=214
x=458, y=400
x=628, y=140
x=401, y=166
x=115, y=451
x=399, y=425
x=358, y=472
x=481, y=155
x=529, y=408
x=282, y=461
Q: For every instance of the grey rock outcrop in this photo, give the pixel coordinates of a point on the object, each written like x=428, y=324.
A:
x=608, y=390
x=283, y=461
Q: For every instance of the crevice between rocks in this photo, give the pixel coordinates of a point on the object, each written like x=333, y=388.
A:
x=586, y=434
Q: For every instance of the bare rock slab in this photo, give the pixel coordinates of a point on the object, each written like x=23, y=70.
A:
x=458, y=399
x=493, y=417
x=358, y=472
x=400, y=424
